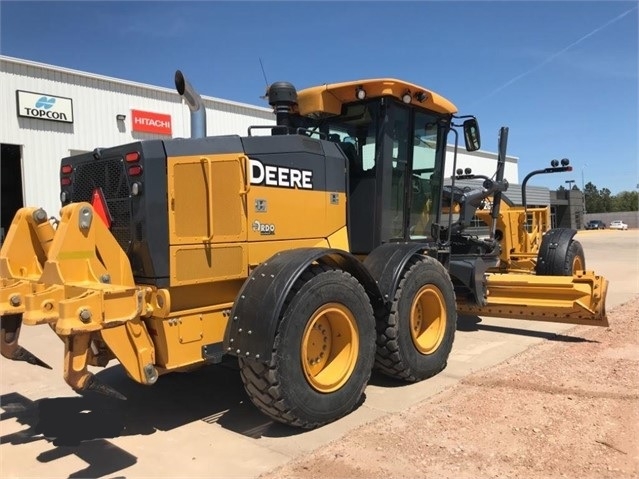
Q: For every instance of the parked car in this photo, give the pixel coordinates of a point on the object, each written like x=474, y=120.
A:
x=618, y=225
x=595, y=225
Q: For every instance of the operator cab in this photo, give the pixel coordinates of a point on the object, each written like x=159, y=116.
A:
x=394, y=135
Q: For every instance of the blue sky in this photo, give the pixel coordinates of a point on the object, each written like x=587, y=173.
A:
x=561, y=75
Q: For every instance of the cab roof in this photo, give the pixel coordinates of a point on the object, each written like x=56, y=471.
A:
x=328, y=99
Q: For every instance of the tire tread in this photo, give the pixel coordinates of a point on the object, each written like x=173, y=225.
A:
x=388, y=358
x=261, y=379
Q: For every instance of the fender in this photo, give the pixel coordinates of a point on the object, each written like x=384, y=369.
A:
x=387, y=262
x=258, y=307
x=552, y=253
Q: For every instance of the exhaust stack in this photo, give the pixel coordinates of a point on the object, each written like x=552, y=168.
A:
x=195, y=103
x=282, y=96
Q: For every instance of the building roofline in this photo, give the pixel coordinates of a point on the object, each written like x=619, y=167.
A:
x=484, y=153
x=30, y=63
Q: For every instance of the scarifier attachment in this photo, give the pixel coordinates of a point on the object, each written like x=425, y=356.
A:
x=23, y=253
x=77, y=279
x=9, y=347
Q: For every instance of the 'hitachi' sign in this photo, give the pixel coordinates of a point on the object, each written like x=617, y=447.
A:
x=150, y=122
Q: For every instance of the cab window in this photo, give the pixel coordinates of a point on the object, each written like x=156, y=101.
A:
x=424, y=179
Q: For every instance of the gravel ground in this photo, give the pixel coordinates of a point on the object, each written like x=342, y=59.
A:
x=567, y=407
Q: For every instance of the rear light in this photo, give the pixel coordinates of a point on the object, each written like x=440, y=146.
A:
x=66, y=169
x=131, y=157
x=65, y=181
x=136, y=188
x=135, y=170
x=63, y=197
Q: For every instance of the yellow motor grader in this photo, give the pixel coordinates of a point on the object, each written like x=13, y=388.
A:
x=312, y=250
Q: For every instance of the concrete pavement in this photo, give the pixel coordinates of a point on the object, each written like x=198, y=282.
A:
x=202, y=424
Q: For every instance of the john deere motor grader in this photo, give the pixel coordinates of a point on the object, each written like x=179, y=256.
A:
x=313, y=250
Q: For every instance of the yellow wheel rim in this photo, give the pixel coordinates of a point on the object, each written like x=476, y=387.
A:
x=428, y=319
x=577, y=265
x=330, y=346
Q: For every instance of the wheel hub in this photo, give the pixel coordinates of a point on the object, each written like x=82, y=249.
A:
x=428, y=319
x=330, y=346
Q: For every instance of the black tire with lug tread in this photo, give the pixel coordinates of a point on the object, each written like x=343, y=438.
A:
x=323, y=352
x=415, y=339
x=575, y=259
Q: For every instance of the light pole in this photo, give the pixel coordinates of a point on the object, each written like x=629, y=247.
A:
x=570, y=207
x=583, y=186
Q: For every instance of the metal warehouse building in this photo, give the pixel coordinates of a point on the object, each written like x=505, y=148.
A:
x=51, y=112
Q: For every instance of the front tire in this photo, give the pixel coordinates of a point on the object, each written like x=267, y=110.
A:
x=575, y=259
x=415, y=339
x=323, y=352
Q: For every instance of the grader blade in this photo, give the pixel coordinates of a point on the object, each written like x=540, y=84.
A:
x=577, y=299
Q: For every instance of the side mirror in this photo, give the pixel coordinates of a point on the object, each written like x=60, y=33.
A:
x=471, y=134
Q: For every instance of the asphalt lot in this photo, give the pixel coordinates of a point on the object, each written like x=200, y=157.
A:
x=202, y=424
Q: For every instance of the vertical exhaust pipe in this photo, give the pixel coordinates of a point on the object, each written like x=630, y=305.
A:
x=282, y=96
x=195, y=103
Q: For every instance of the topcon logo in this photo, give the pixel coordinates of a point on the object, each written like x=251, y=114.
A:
x=44, y=102
x=44, y=106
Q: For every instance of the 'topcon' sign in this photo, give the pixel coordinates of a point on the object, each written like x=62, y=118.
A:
x=44, y=107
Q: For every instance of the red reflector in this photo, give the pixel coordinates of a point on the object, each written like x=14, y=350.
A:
x=133, y=156
x=100, y=207
x=65, y=181
x=135, y=170
x=66, y=169
x=568, y=168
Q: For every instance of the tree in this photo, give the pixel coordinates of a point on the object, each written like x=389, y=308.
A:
x=593, y=200
x=626, y=201
x=606, y=200
x=602, y=201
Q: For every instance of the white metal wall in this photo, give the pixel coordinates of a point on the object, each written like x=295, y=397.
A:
x=481, y=163
x=96, y=102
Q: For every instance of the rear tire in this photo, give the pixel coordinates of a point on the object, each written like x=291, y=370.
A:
x=415, y=339
x=323, y=352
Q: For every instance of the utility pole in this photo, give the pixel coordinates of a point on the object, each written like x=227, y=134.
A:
x=583, y=188
x=570, y=207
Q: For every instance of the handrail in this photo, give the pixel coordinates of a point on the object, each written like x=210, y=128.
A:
x=246, y=180
x=209, y=199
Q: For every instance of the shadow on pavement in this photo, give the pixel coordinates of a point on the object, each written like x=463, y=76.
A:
x=63, y=422
x=469, y=323
x=80, y=425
